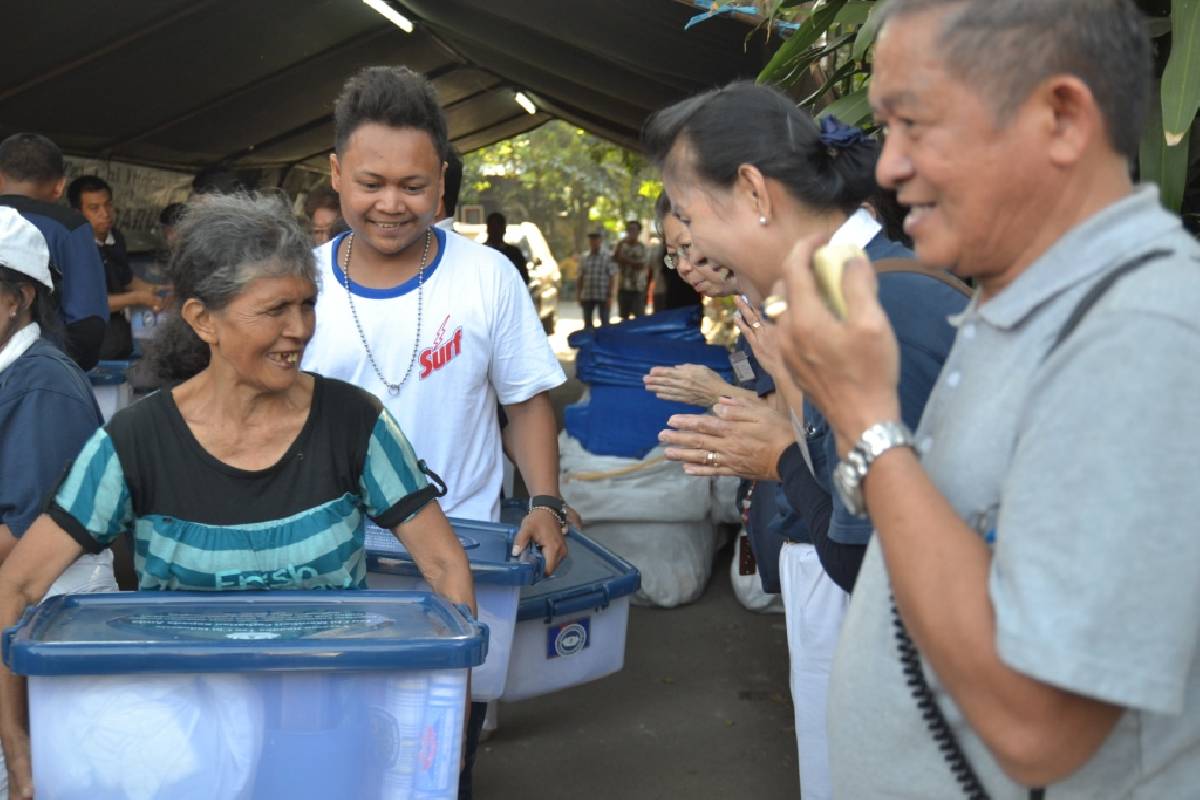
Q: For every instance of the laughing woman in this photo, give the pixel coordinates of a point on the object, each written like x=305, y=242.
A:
x=249, y=474
x=749, y=174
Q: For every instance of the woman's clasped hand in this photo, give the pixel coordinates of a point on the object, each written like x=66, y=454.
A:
x=743, y=437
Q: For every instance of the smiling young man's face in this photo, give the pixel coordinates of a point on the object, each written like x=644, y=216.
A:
x=390, y=183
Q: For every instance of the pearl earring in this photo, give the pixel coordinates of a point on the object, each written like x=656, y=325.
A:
x=762, y=220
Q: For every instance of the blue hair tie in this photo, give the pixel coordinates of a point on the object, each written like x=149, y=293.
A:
x=839, y=135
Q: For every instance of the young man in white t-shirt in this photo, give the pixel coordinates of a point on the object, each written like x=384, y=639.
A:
x=440, y=328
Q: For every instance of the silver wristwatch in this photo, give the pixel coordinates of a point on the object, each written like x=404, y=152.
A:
x=849, y=473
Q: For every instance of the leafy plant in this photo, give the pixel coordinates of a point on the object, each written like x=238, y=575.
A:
x=826, y=63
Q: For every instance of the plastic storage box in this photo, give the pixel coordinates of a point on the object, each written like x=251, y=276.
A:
x=248, y=695
x=112, y=390
x=498, y=581
x=571, y=625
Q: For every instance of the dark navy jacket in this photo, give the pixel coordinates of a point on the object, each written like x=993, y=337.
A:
x=777, y=514
x=47, y=413
x=82, y=297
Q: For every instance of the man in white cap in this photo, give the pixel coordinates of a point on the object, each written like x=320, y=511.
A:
x=47, y=409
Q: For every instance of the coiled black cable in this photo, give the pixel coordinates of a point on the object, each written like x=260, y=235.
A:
x=931, y=712
x=935, y=720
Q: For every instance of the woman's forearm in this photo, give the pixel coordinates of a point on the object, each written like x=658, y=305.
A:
x=437, y=553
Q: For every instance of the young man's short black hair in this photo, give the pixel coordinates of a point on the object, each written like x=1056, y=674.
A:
x=392, y=96
x=86, y=183
x=31, y=157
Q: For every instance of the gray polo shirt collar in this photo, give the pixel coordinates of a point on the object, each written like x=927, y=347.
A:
x=1088, y=249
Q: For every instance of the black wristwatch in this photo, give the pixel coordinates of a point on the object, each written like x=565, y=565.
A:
x=556, y=505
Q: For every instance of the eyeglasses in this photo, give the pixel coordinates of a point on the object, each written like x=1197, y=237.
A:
x=672, y=259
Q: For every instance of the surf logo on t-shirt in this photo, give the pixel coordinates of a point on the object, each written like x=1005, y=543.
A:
x=437, y=356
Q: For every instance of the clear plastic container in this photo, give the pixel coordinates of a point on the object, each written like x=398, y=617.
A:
x=571, y=625
x=498, y=581
x=258, y=695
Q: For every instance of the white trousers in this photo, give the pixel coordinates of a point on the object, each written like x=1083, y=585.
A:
x=814, y=606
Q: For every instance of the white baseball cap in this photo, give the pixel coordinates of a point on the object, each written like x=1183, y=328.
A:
x=23, y=248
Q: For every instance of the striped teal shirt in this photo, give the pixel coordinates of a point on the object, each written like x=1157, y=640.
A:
x=200, y=524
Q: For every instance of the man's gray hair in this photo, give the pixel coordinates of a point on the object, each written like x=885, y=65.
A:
x=1008, y=47
x=223, y=243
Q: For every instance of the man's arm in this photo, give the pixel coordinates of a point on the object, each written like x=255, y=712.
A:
x=939, y=567
x=84, y=298
x=136, y=293
x=532, y=438
x=83, y=341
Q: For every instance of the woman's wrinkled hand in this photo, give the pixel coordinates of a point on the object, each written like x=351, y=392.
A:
x=693, y=384
x=742, y=437
x=762, y=337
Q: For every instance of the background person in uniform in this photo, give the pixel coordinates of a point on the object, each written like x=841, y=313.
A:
x=91, y=196
x=47, y=409
x=32, y=176
x=630, y=255
x=593, y=289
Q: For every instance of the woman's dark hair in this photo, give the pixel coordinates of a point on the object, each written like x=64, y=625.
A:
x=392, y=96
x=224, y=242
x=662, y=207
x=745, y=123
x=890, y=214
x=43, y=311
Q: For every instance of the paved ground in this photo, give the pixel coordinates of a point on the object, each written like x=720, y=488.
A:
x=700, y=711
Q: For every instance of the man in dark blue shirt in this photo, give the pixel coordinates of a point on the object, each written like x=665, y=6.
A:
x=32, y=175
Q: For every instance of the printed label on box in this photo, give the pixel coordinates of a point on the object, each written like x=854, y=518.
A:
x=568, y=638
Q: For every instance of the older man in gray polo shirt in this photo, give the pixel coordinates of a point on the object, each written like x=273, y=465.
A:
x=1038, y=532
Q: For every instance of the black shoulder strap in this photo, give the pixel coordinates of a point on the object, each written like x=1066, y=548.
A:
x=916, y=267
x=1099, y=290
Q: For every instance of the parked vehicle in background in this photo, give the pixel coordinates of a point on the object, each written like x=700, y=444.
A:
x=544, y=275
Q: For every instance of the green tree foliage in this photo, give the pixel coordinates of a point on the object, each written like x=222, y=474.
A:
x=565, y=180
x=826, y=61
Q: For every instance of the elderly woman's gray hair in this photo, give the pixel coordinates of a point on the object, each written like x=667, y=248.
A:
x=224, y=242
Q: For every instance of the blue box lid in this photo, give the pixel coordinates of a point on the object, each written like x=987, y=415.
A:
x=488, y=546
x=589, y=578
x=129, y=632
